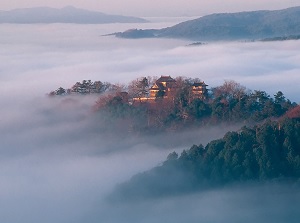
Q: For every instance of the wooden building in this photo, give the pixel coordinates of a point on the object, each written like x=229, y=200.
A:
x=199, y=90
x=164, y=86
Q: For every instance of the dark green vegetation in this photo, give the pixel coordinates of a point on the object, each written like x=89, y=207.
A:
x=65, y=15
x=136, y=34
x=230, y=26
x=270, y=151
x=196, y=44
x=83, y=88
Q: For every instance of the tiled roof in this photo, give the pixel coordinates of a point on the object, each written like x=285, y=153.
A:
x=165, y=79
x=199, y=84
x=158, y=86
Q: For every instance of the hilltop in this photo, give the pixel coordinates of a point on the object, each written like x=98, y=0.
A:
x=166, y=104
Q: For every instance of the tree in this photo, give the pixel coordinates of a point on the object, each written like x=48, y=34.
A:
x=229, y=90
x=60, y=91
x=99, y=87
x=172, y=156
x=138, y=88
x=89, y=87
x=199, y=109
x=279, y=98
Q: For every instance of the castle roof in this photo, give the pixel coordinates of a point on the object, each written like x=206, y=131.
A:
x=198, y=84
x=158, y=86
x=165, y=79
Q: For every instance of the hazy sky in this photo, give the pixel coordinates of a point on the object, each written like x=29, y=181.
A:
x=157, y=7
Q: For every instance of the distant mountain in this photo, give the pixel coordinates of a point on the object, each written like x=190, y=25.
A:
x=229, y=26
x=67, y=14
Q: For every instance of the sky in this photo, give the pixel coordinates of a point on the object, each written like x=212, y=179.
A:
x=145, y=8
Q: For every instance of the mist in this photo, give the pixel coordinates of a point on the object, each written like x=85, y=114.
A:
x=33, y=53
x=268, y=202
x=57, y=163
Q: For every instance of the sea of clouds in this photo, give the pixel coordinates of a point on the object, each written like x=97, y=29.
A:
x=57, y=164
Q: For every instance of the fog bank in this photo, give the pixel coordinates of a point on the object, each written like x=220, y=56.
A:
x=270, y=202
x=57, y=164
x=30, y=54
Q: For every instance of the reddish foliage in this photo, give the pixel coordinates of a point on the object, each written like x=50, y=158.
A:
x=294, y=113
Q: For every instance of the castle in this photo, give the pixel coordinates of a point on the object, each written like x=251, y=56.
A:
x=166, y=87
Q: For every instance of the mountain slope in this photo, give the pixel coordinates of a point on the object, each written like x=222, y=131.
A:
x=65, y=15
x=232, y=26
x=267, y=152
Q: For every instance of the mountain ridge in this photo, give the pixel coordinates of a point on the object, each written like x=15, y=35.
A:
x=229, y=26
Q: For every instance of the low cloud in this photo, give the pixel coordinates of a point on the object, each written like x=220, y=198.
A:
x=56, y=164
x=241, y=203
x=57, y=51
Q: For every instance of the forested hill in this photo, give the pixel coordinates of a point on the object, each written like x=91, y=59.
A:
x=230, y=26
x=270, y=151
x=266, y=148
x=123, y=108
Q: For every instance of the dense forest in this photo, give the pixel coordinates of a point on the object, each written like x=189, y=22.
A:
x=123, y=107
x=270, y=151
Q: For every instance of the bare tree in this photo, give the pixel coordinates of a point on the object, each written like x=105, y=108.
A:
x=230, y=89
